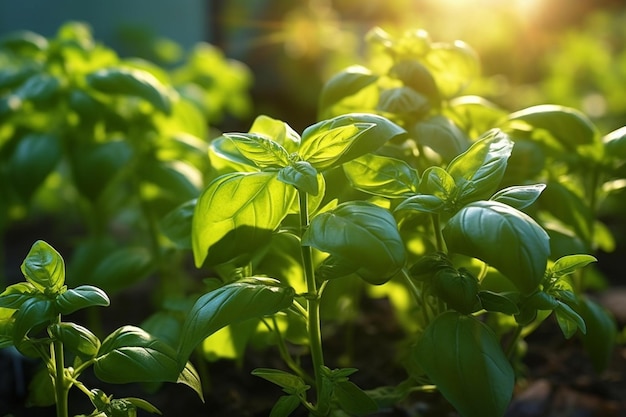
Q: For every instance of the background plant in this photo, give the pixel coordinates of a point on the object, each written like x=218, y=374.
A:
x=115, y=142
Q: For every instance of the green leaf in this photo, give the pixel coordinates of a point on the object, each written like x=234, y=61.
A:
x=34, y=314
x=259, y=150
x=176, y=225
x=23, y=41
x=615, y=144
x=353, y=400
x=131, y=82
x=403, y=101
x=569, y=208
x=14, y=295
x=76, y=339
x=332, y=142
x=39, y=88
x=437, y=182
x=142, y=404
x=44, y=268
x=570, y=263
x=520, y=196
x=285, y=405
x=360, y=234
x=416, y=76
x=81, y=297
x=458, y=289
x=344, y=84
x=95, y=165
x=290, y=383
x=34, y=158
x=382, y=175
x=301, y=175
x=232, y=303
x=130, y=354
x=492, y=301
x=121, y=268
x=12, y=77
x=190, y=377
x=569, y=126
x=423, y=203
x=463, y=357
x=177, y=180
x=473, y=114
x=453, y=66
x=236, y=215
x=323, y=148
x=442, y=136
x=599, y=341
x=483, y=228
x=479, y=170
x=569, y=320
x=277, y=130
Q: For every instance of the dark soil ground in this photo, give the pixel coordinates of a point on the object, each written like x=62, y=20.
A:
x=559, y=380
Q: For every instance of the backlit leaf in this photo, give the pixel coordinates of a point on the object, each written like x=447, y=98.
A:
x=236, y=214
x=343, y=84
x=381, y=175
x=260, y=150
x=479, y=170
x=519, y=196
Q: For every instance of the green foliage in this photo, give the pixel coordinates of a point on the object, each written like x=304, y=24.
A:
x=33, y=324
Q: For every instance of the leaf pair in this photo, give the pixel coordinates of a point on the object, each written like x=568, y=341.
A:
x=237, y=213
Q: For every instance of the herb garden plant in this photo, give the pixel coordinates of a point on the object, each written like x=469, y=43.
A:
x=404, y=188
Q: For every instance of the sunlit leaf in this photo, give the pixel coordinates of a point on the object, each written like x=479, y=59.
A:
x=131, y=82
x=453, y=66
x=262, y=151
x=343, y=84
x=482, y=229
x=381, y=175
x=463, y=357
x=571, y=263
x=479, y=170
x=474, y=114
x=278, y=131
x=569, y=126
x=326, y=144
x=403, y=101
x=236, y=214
x=615, y=144
x=232, y=303
x=519, y=196
x=437, y=182
x=569, y=320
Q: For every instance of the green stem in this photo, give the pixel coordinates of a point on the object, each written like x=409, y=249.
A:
x=61, y=385
x=284, y=353
x=441, y=246
x=313, y=298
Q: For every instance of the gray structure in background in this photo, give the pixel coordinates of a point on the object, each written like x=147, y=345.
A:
x=184, y=21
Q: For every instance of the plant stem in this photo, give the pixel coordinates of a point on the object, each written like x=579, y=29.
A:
x=61, y=386
x=441, y=246
x=313, y=299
